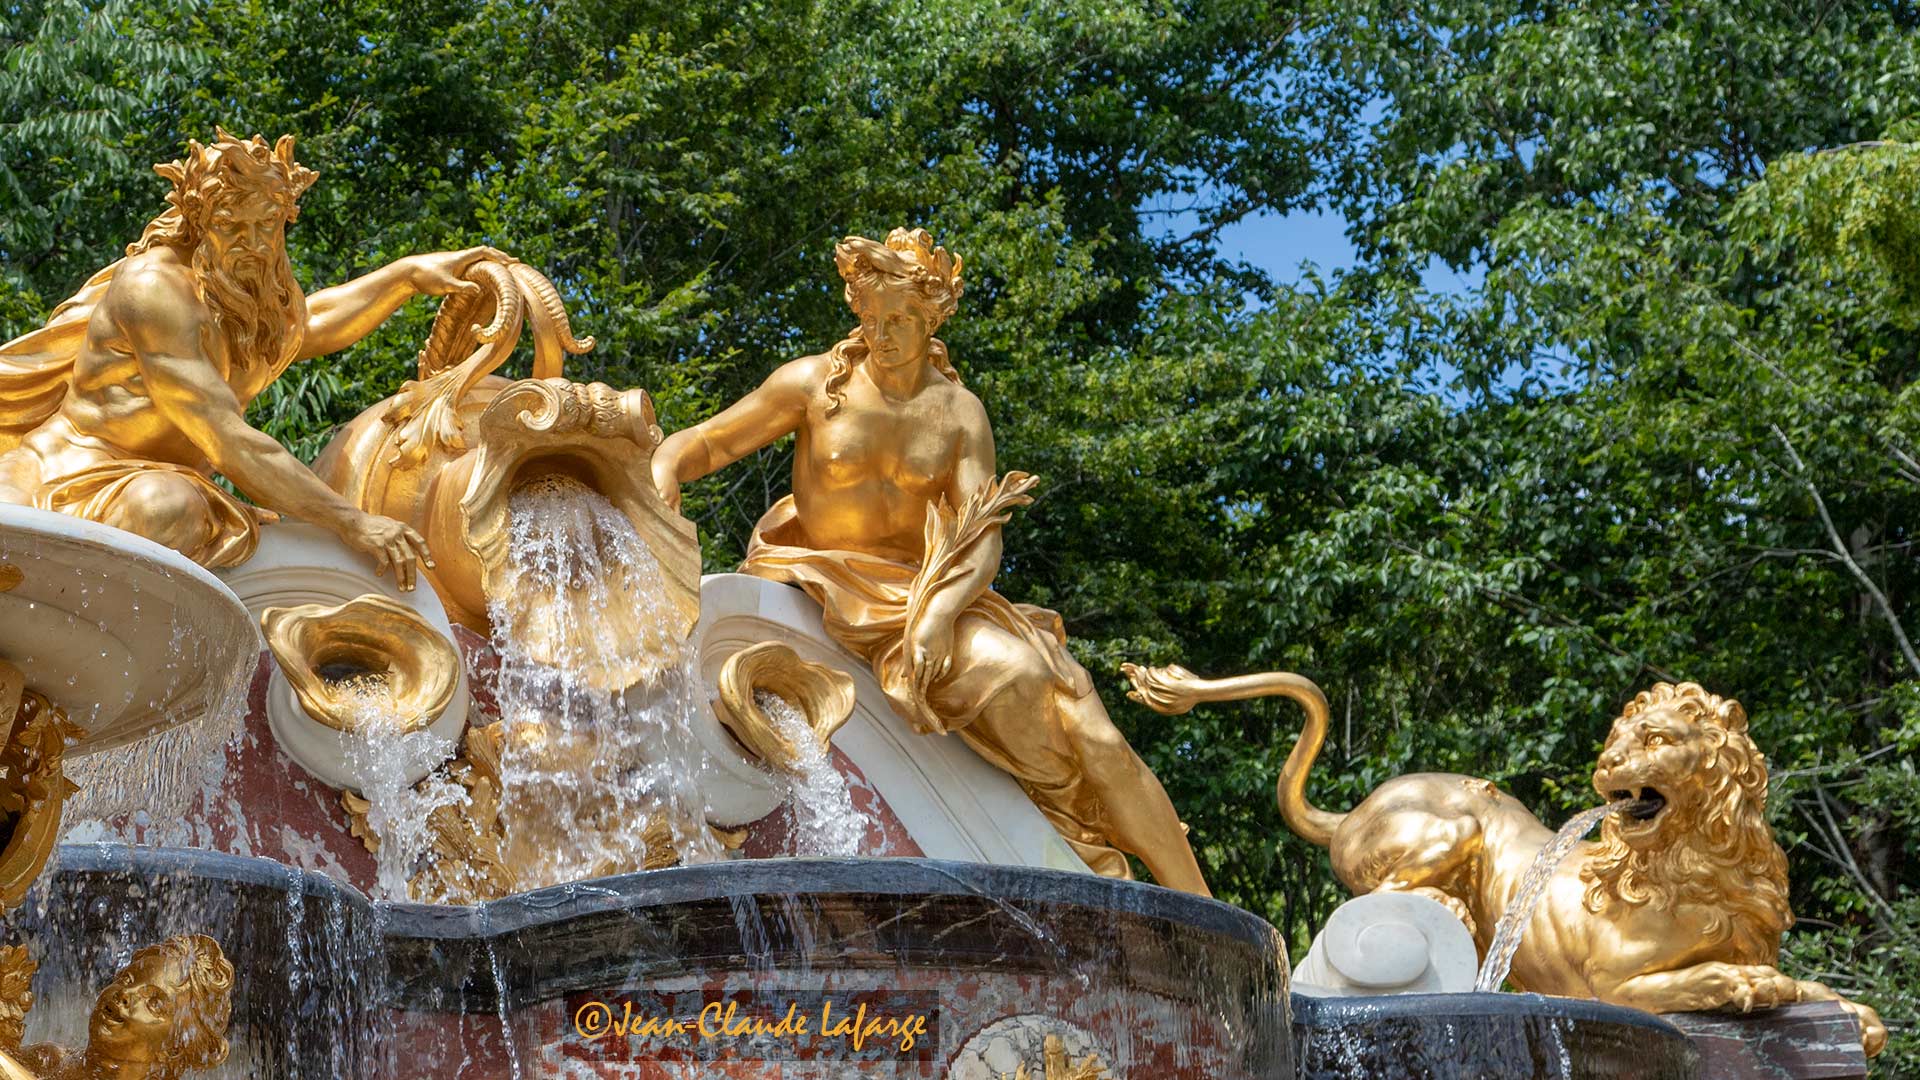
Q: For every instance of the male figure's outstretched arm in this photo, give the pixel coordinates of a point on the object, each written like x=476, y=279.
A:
x=166, y=325
x=342, y=315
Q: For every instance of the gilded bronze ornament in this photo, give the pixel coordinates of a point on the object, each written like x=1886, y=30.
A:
x=341, y=658
x=1678, y=907
x=824, y=695
x=165, y=1014
x=33, y=785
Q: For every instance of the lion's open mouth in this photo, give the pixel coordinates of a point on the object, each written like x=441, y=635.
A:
x=1645, y=805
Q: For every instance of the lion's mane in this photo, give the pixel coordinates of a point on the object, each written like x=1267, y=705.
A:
x=1720, y=855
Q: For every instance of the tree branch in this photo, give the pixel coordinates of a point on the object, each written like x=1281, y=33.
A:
x=1880, y=601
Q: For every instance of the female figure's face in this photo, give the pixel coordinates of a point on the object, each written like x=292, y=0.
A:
x=896, y=326
x=133, y=1017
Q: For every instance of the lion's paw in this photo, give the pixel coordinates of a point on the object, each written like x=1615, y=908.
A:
x=1758, y=986
x=1873, y=1030
x=1452, y=903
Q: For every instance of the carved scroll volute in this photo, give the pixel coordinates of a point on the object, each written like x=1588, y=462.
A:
x=824, y=695
x=604, y=439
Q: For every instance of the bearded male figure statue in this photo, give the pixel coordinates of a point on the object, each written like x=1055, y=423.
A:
x=134, y=394
x=894, y=528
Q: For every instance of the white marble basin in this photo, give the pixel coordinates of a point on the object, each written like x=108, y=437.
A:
x=129, y=637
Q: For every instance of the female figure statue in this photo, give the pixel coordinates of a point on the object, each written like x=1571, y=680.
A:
x=894, y=528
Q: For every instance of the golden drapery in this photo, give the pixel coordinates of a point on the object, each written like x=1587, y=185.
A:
x=868, y=604
x=93, y=491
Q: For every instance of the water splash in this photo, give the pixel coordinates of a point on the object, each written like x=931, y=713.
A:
x=386, y=757
x=824, y=820
x=154, y=782
x=584, y=767
x=1513, y=922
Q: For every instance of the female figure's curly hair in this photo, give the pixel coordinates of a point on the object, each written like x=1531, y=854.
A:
x=908, y=260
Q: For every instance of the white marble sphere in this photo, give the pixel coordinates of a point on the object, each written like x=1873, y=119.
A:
x=1389, y=943
x=128, y=637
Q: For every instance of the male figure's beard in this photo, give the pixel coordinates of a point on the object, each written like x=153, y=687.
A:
x=254, y=298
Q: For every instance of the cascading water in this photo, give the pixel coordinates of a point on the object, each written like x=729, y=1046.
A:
x=387, y=757
x=824, y=820
x=585, y=768
x=154, y=782
x=1513, y=922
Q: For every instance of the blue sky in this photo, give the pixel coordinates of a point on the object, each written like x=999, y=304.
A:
x=1283, y=244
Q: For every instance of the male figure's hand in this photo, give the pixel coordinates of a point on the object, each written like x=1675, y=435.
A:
x=391, y=543
x=442, y=272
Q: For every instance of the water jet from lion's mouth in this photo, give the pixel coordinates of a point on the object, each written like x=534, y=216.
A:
x=1513, y=921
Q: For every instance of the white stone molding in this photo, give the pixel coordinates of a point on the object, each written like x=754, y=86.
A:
x=128, y=637
x=953, y=804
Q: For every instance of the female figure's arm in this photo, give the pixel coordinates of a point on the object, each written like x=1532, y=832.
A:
x=777, y=407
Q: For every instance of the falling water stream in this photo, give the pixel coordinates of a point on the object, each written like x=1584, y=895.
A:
x=1513, y=922
x=824, y=819
x=584, y=768
x=387, y=757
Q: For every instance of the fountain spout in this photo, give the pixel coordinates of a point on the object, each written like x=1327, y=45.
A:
x=335, y=656
x=447, y=453
x=824, y=695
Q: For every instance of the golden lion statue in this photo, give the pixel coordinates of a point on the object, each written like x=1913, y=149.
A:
x=1678, y=907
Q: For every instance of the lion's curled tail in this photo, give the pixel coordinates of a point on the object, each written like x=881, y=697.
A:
x=1172, y=690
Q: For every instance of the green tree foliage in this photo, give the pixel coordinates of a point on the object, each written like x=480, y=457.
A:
x=1669, y=432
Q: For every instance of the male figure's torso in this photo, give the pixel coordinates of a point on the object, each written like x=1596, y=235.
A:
x=109, y=403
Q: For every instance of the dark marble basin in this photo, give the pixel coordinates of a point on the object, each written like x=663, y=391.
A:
x=330, y=985
x=1485, y=1037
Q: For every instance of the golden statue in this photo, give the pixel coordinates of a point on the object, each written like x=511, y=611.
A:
x=1678, y=907
x=894, y=528
x=166, y=1012
x=134, y=394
